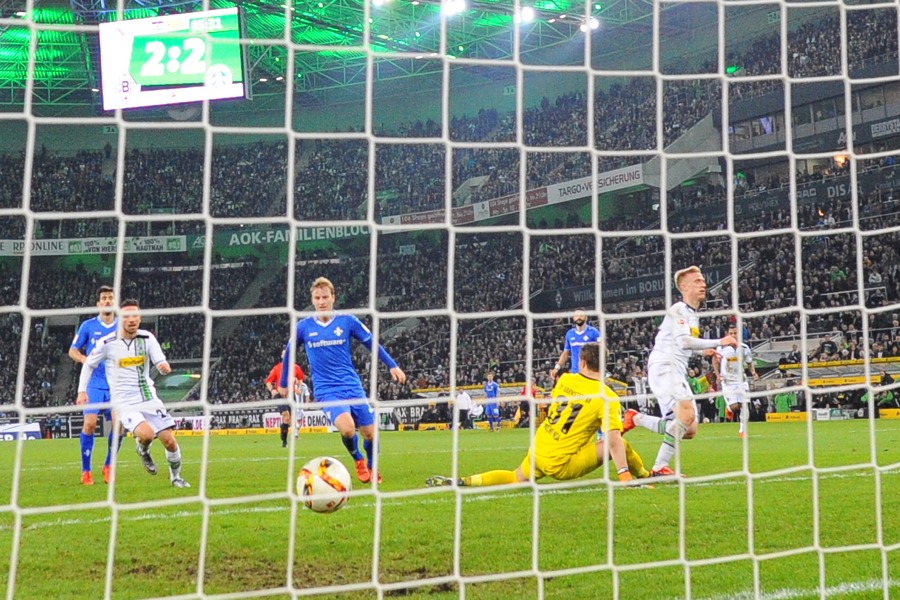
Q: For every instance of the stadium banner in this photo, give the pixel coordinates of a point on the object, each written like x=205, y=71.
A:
x=815, y=192
x=236, y=238
x=625, y=290
x=834, y=414
x=409, y=415
x=10, y=432
x=73, y=246
x=889, y=413
x=312, y=420
x=609, y=181
x=785, y=417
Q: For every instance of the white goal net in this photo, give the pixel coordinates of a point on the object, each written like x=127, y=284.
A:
x=469, y=174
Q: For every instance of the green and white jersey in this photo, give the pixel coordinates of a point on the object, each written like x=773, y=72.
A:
x=128, y=364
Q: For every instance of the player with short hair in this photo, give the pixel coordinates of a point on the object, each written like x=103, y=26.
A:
x=285, y=409
x=491, y=410
x=563, y=445
x=676, y=342
x=576, y=337
x=97, y=391
x=128, y=355
x=730, y=365
x=326, y=337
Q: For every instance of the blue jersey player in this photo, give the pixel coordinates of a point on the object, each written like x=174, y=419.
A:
x=98, y=389
x=491, y=410
x=326, y=338
x=576, y=337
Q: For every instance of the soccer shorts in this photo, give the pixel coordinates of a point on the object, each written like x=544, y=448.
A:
x=157, y=418
x=284, y=408
x=491, y=411
x=735, y=393
x=669, y=386
x=563, y=468
x=361, y=412
x=97, y=395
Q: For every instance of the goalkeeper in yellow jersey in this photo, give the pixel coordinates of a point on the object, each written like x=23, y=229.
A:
x=564, y=446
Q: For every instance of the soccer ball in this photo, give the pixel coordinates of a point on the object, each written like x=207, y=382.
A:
x=324, y=484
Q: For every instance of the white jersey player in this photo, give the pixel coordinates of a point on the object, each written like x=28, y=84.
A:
x=676, y=342
x=128, y=356
x=730, y=364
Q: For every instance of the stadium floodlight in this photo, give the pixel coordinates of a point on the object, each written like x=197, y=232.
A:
x=525, y=15
x=591, y=23
x=453, y=7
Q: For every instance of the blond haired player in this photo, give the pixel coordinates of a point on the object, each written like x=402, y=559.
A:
x=564, y=446
x=677, y=340
x=128, y=355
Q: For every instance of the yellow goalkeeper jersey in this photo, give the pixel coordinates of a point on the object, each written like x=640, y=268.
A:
x=581, y=407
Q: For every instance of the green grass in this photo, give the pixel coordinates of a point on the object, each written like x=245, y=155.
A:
x=801, y=519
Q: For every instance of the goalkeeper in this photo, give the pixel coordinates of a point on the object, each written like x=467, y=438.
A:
x=564, y=446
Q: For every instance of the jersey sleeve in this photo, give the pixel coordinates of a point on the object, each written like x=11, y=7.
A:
x=748, y=356
x=682, y=332
x=155, y=351
x=567, y=346
x=81, y=338
x=273, y=376
x=362, y=333
x=286, y=361
x=299, y=375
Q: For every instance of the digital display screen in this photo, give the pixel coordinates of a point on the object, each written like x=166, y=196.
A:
x=172, y=59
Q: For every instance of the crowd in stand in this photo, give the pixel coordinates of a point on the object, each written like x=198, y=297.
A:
x=331, y=184
x=815, y=49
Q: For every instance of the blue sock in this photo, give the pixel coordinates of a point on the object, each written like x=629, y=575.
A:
x=87, y=449
x=352, y=446
x=109, y=450
x=369, y=446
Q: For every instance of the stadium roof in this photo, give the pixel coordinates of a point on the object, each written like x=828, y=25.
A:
x=404, y=37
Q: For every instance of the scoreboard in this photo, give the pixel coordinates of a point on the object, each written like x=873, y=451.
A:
x=173, y=59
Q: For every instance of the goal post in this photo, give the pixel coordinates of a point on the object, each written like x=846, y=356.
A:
x=468, y=175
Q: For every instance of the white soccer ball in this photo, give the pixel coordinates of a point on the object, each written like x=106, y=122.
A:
x=324, y=484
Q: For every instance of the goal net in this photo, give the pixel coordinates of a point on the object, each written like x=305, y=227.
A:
x=468, y=174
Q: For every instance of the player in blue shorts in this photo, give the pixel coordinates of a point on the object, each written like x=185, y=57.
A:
x=326, y=338
x=491, y=410
x=98, y=389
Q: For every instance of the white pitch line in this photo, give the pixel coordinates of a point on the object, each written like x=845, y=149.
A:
x=58, y=467
x=834, y=591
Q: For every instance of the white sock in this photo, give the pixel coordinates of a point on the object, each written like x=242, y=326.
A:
x=174, y=459
x=745, y=416
x=648, y=422
x=675, y=431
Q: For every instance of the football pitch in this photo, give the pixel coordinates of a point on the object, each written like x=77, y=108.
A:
x=512, y=543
